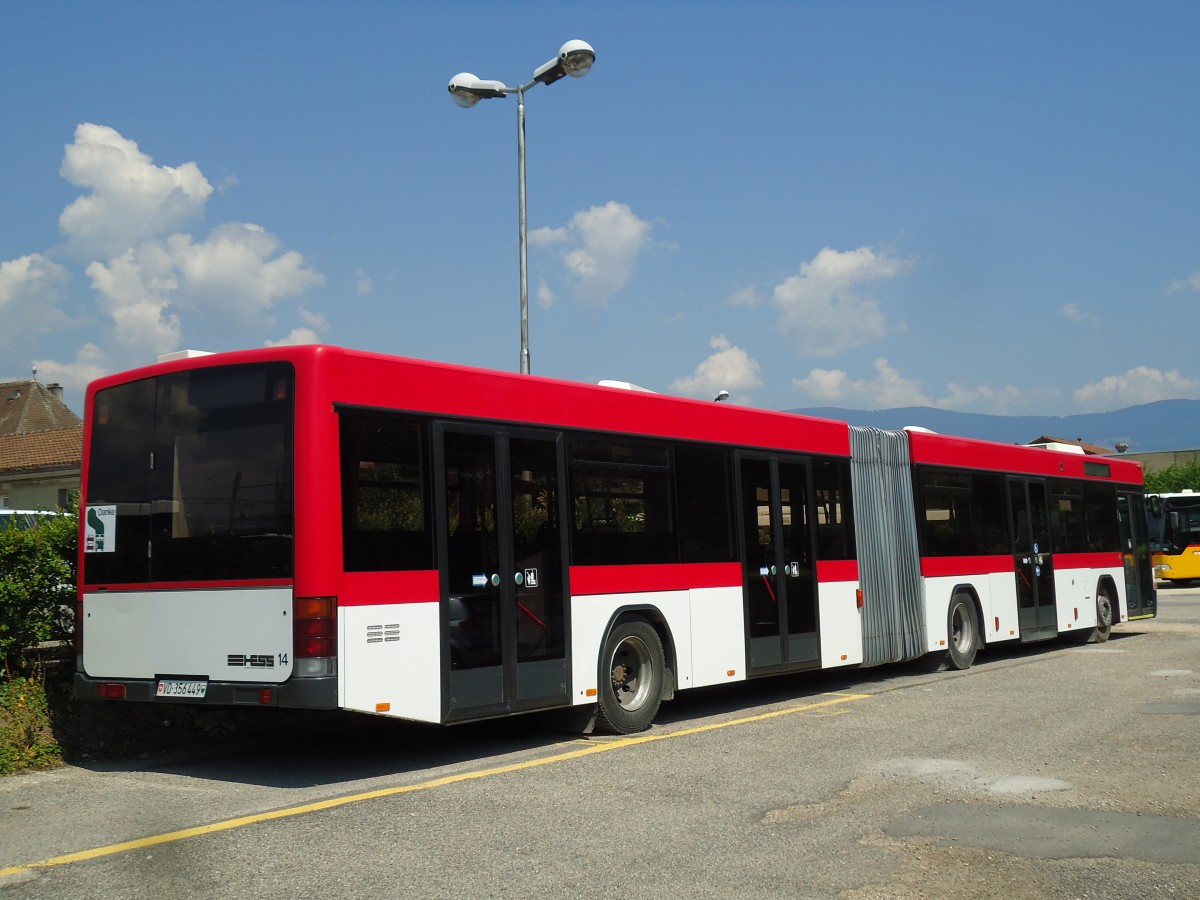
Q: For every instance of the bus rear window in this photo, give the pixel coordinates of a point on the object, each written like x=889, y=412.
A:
x=190, y=478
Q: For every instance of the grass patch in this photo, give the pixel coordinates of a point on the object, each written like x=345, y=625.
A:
x=27, y=738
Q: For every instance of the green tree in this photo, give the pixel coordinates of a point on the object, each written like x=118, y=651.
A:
x=1175, y=478
x=37, y=578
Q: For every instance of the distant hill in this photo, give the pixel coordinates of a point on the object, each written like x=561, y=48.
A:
x=1164, y=425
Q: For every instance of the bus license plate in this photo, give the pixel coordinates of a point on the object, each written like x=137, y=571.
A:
x=195, y=689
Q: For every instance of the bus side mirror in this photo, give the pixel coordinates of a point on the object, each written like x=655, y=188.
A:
x=1156, y=507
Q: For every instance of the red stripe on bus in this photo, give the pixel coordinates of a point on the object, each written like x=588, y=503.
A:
x=1104, y=560
x=942, y=566
x=377, y=588
x=837, y=570
x=670, y=577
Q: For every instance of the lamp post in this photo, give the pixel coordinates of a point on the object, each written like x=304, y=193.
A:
x=574, y=58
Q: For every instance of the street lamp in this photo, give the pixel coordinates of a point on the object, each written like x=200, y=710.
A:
x=574, y=58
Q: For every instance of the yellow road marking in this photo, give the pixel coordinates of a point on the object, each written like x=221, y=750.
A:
x=592, y=748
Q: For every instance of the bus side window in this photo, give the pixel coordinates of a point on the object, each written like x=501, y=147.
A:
x=835, y=520
x=622, y=504
x=386, y=509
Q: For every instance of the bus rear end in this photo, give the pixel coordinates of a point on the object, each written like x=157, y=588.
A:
x=187, y=556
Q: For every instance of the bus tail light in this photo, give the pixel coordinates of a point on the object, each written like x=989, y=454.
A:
x=109, y=691
x=314, y=641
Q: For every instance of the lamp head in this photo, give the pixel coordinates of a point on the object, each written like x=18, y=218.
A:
x=574, y=58
x=466, y=89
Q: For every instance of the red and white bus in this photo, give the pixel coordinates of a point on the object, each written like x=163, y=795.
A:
x=326, y=528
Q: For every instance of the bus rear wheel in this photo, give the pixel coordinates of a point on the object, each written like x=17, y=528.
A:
x=1104, y=616
x=963, y=632
x=631, y=678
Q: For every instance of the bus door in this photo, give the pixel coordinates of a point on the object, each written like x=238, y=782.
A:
x=1135, y=551
x=1030, y=522
x=503, y=584
x=779, y=576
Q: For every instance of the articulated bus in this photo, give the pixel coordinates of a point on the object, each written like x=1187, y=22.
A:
x=325, y=528
x=1174, y=523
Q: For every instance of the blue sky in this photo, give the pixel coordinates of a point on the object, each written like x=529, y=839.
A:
x=988, y=207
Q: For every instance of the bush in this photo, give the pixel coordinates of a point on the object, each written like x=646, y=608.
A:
x=37, y=580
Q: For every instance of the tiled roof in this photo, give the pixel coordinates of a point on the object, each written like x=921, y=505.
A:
x=29, y=406
x=41, y=450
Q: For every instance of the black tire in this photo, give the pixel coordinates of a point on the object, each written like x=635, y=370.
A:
x=962, y=632
x=1104, y=616
x=631, y=678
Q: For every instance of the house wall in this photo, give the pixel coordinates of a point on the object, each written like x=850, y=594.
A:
x=42, y=490
x=1156, y=461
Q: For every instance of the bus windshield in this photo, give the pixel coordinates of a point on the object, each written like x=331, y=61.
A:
x=1181, y=524
x=190, y=477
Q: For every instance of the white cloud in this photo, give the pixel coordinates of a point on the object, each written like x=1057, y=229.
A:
x=308, y=333
x=298, y=335
x=1140, y=384
x=745, y=296
x=90, y=363
x=135, y=290
x=1180, y=285
x=226, y=283
x=152, y=279
x=545, y=296
x=996, y=401
x=820, y=310
x=599, y=248
x=1075, y=314
x=364, y=284
x=548, y=237
x=889, y=389
x=130, y=198
x=232, y=273
x=31, y=289
x=886, y=390
x=730, y=369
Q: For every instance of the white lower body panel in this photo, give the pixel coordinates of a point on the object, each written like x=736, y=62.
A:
x=240, y=634
x=841, y=624
x=706, y=625
x=390, y=660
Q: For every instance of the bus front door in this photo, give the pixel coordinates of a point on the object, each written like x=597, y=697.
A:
x=1135, y=551
x=503, y=584
x=779, y=578
x=1034, y=561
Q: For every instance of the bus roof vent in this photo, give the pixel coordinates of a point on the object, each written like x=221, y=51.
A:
x=624, y=385
x=1059, y=446
x=183, y=354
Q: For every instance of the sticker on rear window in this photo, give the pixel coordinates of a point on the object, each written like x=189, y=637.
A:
x=100, y=533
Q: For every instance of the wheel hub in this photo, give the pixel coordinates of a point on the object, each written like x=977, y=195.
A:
x=619, y=675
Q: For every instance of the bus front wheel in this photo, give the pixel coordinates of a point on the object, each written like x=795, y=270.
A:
x=631, y=678
x=1104, y=616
